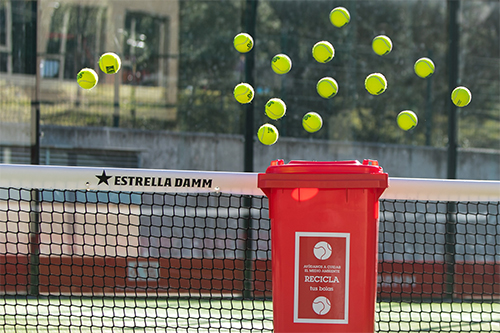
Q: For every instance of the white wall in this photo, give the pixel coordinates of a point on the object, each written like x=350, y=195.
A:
x=211, y=152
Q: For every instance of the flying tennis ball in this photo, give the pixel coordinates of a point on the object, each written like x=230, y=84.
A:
x=243, y=42
x=275, y=108
x=323, y=51
x=407, y=120
x=281, y=64
x=87, y=78
x=268, y=134
x=327, y=87
x=243, y=93
x=312, y=122
x=339, y=17
x=110, y=63
x=382, y=45
x=375, y=83
x=424, y=67
x=461, y=96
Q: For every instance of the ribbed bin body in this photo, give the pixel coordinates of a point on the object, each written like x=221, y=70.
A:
x=324, y=233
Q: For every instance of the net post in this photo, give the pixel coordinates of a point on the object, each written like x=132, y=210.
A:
x=450, y=236
x=34, y=244
x=34, y=226
x=450, y=251
x=453, y=69
x=250, y=18
x=248, y=270
x=116, y=102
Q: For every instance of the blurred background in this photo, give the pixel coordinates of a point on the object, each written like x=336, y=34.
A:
x=171, y=104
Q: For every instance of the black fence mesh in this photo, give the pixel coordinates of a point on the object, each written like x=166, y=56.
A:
x=84, y=261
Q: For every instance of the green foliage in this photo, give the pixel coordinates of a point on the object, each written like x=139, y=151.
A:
x=207, y=60
x=480, y=71
x=209, y=65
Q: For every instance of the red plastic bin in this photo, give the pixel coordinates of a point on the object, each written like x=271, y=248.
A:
x=324, y=242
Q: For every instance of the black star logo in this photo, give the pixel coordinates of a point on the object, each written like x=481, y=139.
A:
x=103, y=178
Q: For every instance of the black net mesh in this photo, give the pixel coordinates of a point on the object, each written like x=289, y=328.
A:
x=85, y=261
x=439, y=266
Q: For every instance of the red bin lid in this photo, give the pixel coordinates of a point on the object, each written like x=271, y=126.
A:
x=336, y=174
x=313, y=167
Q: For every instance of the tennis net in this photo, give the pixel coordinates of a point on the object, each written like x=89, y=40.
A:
x=115, y=250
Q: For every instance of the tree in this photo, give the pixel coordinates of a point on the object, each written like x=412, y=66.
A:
x=209, y=65
x=210, y=68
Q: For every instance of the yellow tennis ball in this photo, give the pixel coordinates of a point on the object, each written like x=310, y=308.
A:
x=424, y=67
x=339, y=17
x=327, y=87
x=323, y=51
x=375, y=83
x=87, y=78
x=382, y=45
x=275, y=108
x=243, y=93
x=407, y=120
x=268, y=134
x=312, y=122
x=461, y=96
x=281, y=64
x=110, y=63
x=243, y=42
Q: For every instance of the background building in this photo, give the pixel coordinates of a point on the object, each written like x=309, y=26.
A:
x=72, y=35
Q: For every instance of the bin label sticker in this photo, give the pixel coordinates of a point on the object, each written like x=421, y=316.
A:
x=321, y=281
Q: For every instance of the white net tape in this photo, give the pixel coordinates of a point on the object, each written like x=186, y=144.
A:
x=170, y=181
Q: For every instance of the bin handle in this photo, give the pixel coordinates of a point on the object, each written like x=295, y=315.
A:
x=365, y=162
x=370, y=162
x=277, y=162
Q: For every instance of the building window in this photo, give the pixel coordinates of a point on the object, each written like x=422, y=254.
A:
x=144, y=49
x=3, y=23
x=5, y=37
x=75, y=40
